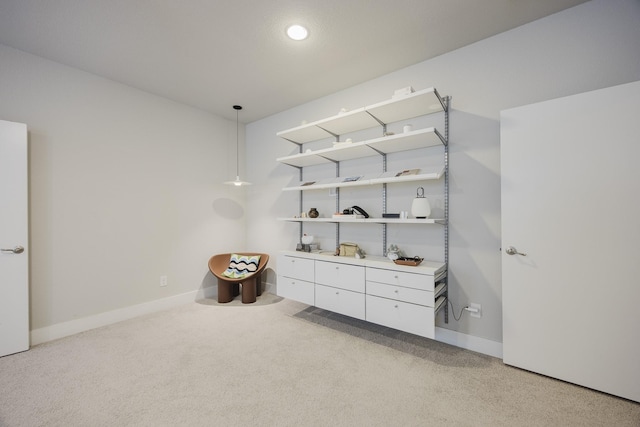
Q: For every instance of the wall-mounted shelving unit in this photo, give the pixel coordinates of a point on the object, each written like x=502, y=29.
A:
x=316, y=289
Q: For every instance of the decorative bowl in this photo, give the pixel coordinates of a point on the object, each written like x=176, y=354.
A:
x=408, y=261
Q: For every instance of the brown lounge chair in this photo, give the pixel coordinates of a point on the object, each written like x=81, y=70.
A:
x=228, y=288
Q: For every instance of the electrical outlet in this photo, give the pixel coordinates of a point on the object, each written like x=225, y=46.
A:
x=163, y=281
x=477, y=310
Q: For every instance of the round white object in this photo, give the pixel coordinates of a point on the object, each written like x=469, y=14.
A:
x=420, y=208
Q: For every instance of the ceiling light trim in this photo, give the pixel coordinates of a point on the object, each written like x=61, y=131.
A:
x=297, y=32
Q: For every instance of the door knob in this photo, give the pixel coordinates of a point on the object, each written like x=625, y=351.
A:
x=16, y=250
x=513, y=251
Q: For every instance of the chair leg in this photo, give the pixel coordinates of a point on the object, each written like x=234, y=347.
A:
x=249, y=291
x=224, y=291
x=236, y=289
x=258, y=285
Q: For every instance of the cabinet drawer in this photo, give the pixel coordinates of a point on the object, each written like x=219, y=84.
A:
x=296, y=268
x=400, y=278
x=415, y=319
x=345, y=276
x=340, y=301
x=298, y=290
x=415, y=296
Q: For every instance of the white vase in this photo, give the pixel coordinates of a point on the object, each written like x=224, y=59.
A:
x=420, y=207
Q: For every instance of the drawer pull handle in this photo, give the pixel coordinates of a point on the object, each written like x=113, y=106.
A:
x=337, y=293
x=396, y=291
x=396, y=306
x=395, y=277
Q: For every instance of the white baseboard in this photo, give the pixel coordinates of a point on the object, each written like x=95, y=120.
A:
x=270, y=287
x=469, y=342
x=64, y=329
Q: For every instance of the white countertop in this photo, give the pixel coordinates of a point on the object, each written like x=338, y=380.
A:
x=430, y=268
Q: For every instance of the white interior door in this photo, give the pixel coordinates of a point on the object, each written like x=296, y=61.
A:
x=14, y=260
x=570, y=202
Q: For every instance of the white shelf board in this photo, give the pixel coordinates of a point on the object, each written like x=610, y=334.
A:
x=303, y=159
x=430, y=268
x=409, y=106
x=440, y=289
x=423, y=102
x=369, y=220
x=420, y=138
x=426, y=176
x=348, y=122
x=406, y=221
x=304, y=133
x=440, y=303
x=372, y=179
x=355, y=150
x=331, y=126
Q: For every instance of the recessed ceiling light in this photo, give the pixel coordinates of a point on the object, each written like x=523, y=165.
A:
x=297, y=32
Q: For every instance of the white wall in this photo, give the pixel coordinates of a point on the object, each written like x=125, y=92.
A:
x=590, y=46
x=124, y=187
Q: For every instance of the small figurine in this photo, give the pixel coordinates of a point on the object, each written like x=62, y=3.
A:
x=393, y=253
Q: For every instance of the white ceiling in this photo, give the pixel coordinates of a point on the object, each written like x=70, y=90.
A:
x=212, y=54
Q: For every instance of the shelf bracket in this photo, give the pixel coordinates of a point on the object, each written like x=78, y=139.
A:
x=329, y=132
x=443, y=101
x=383, y=124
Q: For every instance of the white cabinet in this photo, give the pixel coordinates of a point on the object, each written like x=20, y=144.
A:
x=400, y=293
x=296, y=279
x=401, y=278
x=341, y=301
x=412, y=318
x=296, y=267
x=372, y=289
x=340, y=288
x=345, y=276
x=403, y=300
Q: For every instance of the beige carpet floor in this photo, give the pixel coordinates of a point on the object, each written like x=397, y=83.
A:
x=280, y=363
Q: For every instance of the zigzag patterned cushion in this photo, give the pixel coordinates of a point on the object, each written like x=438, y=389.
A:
x=241, y=266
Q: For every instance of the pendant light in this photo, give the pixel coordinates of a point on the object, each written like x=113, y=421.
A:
x=238, y=182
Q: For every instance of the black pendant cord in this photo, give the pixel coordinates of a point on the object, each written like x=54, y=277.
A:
x=237, y=108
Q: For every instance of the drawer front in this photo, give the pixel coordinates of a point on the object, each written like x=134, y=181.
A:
x=415, y=319
x=415, y=296
x=400, y=278
x=296, y=268
x=340, y=301
x=298, y=290
x=345, y=276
